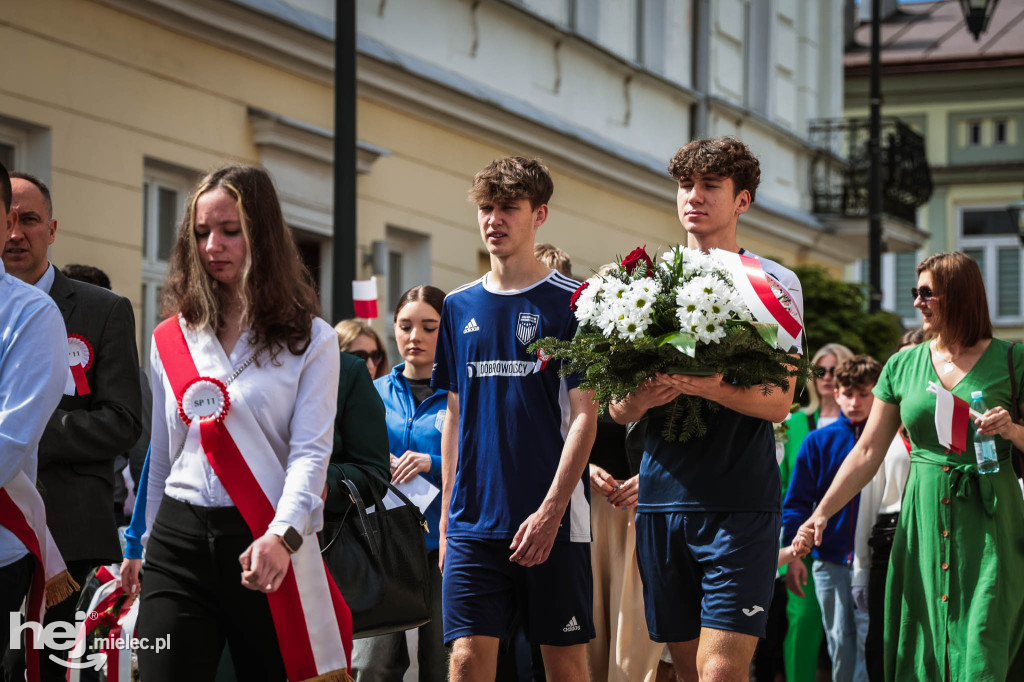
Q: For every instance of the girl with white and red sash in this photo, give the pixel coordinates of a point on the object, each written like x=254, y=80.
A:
x=244, y=398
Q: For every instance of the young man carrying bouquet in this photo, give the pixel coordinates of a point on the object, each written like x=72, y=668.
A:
x=515, y=514
x=709, y=518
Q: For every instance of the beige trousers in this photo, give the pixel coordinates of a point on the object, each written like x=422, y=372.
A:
x=622, y=651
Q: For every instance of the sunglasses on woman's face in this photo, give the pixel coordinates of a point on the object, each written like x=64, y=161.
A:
x=925, y=293
x=376, y=356
x=829, y=372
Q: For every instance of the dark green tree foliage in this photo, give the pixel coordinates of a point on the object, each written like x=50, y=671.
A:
x=837, y=312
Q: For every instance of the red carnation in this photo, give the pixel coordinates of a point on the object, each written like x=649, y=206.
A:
x=576, y=296
x=637, y=256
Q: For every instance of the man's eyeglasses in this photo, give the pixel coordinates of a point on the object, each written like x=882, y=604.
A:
x=925, y=293
x=374, y=355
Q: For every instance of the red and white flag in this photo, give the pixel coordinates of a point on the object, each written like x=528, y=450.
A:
x=952, y=417
x=364, y=298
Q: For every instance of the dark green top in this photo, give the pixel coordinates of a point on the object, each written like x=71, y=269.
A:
x=360, y=437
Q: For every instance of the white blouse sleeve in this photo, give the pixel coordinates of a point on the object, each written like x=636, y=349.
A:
x=312, y=435
x=159, y=456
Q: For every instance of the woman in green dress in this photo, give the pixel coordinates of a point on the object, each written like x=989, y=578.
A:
x=955, y=589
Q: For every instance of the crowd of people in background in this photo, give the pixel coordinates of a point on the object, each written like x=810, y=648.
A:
x=567, y=541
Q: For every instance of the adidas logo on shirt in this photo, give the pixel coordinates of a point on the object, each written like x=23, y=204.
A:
x=571, y=626
x=471, y=327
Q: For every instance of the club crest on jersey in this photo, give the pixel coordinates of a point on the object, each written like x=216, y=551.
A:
x=526, y=328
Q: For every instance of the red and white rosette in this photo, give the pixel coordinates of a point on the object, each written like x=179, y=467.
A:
x=542, y=360
x=80, y=357
x=205, y=399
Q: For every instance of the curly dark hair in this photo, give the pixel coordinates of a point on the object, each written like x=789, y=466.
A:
x=725, y=157
x=278, y=298
x=860, y=371
x=511, y=179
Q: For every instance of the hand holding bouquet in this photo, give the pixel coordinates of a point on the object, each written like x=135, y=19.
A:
x=687, y=315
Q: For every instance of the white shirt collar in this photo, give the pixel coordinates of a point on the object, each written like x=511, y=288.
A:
x=45, y=282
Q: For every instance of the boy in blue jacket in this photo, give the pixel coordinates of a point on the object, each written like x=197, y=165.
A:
x=820, y=456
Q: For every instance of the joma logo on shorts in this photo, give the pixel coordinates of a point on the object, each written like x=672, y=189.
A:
x=753, y=611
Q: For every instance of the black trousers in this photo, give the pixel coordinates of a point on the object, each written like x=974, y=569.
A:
x=15, y=579
x=193, y=594
x=64, y=612
x=880, y=542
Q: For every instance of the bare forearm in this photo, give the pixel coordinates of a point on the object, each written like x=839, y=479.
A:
x=630, y=409
x=449, y=457
x=575, y=454
x=753, y=402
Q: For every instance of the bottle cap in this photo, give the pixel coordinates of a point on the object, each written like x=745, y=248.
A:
x=975, y=395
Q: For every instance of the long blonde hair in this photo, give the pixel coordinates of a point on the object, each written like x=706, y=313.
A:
x=842, y=354
x=350, y=330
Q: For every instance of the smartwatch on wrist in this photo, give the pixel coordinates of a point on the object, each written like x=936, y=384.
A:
x=292, y=540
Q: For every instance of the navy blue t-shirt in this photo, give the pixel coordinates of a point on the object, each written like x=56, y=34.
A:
x=513, y=414
x=732, y=468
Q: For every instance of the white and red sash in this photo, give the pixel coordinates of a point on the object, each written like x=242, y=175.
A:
x=313, y=623
x=754, y=286
x=952, y=418
x=22, y=512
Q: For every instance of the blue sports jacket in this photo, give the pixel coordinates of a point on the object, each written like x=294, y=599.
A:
x=817, y=463
x=417, y=429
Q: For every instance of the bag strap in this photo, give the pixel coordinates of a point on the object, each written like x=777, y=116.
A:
x=360, y=507
x=398, y=493
x=1016, y=407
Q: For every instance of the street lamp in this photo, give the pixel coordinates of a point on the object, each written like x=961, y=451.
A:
x=1016, y=211
x=977, y=13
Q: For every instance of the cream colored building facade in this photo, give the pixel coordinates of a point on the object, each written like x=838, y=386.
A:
x=122, y=104
x=967, y=98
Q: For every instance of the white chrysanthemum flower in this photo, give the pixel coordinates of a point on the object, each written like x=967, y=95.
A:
x=707, y=287
x=632, y=326
x=613, y=290
x=641, y=293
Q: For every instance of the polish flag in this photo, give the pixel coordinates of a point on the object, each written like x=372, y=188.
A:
x=952, y=417
x=364, y=298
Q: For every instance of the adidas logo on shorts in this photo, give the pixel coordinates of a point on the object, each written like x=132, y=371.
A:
x=471, y=326
x=571, y=626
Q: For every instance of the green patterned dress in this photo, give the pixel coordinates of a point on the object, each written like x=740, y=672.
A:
x=955, y=588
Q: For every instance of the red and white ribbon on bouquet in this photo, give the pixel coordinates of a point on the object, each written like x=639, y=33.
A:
x=80, y=357
x=122, y=628
x=22, y=512
x=758, y=292
x=312, y=621
x=952, y=418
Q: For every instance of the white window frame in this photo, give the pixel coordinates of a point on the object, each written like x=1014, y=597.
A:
x=891, y=294
x=990, y=245
x=154, y=270
x=17, y=138
x=415, y=250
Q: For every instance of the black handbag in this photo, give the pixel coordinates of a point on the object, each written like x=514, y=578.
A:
x=379, y=562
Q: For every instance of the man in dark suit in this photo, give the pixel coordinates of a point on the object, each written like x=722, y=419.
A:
x=98, y=420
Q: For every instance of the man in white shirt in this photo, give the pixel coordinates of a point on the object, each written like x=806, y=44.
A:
x=98, y=420
x=33, y=372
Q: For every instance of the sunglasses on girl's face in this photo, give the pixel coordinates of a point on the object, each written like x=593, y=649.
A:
x=374, y=355
x=925, y=293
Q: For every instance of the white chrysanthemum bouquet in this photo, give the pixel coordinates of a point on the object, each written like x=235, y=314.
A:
x=683, y=316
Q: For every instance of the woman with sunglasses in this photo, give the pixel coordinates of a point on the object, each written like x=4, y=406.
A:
x=357, y=338
x=805, y=634
x=955, y=591
x=415, y=418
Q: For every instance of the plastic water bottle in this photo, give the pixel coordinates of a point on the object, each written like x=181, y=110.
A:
x=984, y=446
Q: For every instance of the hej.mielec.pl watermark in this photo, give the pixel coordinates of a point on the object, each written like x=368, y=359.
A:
x=61, y=636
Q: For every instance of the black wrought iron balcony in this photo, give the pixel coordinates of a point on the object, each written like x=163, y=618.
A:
x=839, y=171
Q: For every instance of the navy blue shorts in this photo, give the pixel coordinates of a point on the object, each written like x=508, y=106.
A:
x=707, y=569
x=483, y=593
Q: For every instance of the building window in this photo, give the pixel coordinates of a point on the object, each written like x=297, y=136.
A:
x=999, y=134
x=408, y=265
x=13, y=143
x=974, y=133
x=988, y=235
x=899, y=276
x=164, y=193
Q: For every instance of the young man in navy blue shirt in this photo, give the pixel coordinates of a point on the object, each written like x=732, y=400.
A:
x=817, y=462
x=515, y=513
x=708, y=519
